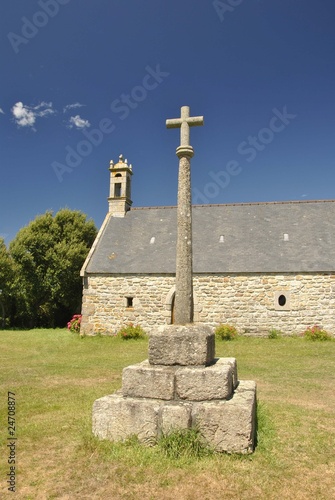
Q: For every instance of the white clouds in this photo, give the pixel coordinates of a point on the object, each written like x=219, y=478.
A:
x=25, y=116
x=2, y=111
x=78, y=122
x=72, y=106
x=46, y=111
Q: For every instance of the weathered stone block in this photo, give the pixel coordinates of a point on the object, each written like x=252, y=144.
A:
x=233, y=363
x=229, y=426
x=182, y=345
x=226, y=425
x=175, y=416
x=88, y=309
x=117, y=418
x=147, y=381
x=205, y=383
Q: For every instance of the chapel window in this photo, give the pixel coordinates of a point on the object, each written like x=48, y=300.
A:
x=130, y=302
x=282, y=300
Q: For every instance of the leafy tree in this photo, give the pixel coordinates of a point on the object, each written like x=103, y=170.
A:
x=6, y=277
x=48, y=255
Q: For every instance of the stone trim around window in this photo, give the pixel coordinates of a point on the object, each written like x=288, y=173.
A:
x=282, y=300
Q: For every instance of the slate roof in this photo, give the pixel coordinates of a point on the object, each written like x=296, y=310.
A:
x=234, y=238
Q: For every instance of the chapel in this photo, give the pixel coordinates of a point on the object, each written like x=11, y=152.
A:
x=256, y=266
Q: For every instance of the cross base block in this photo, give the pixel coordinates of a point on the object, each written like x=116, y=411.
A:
x=182, y=345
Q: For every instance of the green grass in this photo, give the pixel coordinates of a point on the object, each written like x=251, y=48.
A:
x=57, y=375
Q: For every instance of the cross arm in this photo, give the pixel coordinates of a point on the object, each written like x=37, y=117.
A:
x=173, y=123
x=195, y=120
x=192, y=122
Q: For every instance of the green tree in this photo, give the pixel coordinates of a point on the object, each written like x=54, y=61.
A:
x=6, y=279
x=48, y=255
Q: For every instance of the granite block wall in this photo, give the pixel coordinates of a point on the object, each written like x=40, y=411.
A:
x=254, y=303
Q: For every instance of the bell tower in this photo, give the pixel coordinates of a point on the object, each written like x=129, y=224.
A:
x=119, y=200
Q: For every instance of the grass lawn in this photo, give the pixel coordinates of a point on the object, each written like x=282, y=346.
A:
x=56, y=376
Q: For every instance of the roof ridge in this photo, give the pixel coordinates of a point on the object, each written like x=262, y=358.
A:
x=287, y=202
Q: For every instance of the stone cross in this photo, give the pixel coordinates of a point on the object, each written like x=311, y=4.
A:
x=184, y=285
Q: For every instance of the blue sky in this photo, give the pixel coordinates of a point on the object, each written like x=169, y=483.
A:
x=83, y=81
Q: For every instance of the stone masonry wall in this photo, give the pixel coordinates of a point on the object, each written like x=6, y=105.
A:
x=254, y=303
x=104, y=306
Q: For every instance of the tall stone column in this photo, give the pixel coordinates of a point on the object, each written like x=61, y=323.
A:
x=184, y=271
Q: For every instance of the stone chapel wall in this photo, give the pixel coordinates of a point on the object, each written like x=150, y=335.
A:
x=105, y=302
x=254, y=303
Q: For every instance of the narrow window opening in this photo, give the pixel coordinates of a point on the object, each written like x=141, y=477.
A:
x=282, y=300
x=117, y=191
x=128, y=186
x=130, y=302
x=221, y=240
x=152, y=241
x=286, y=237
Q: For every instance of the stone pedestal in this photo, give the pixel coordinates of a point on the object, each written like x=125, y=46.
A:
x=181, y=386
x=182, y=345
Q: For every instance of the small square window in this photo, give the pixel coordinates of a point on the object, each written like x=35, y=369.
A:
x=130, y=302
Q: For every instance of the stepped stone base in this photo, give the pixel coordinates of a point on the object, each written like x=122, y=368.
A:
x=195, y=383
x=181, y=386
x=226, y=425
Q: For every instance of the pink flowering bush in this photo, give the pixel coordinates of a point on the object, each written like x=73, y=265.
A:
x=74, y=324
x=132, y=332
x=316, y=333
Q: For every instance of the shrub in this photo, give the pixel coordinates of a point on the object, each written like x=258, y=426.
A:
x=226, y=332
x=274, y=334
x=316, y=333
x=132, y=332
x=74, y=324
